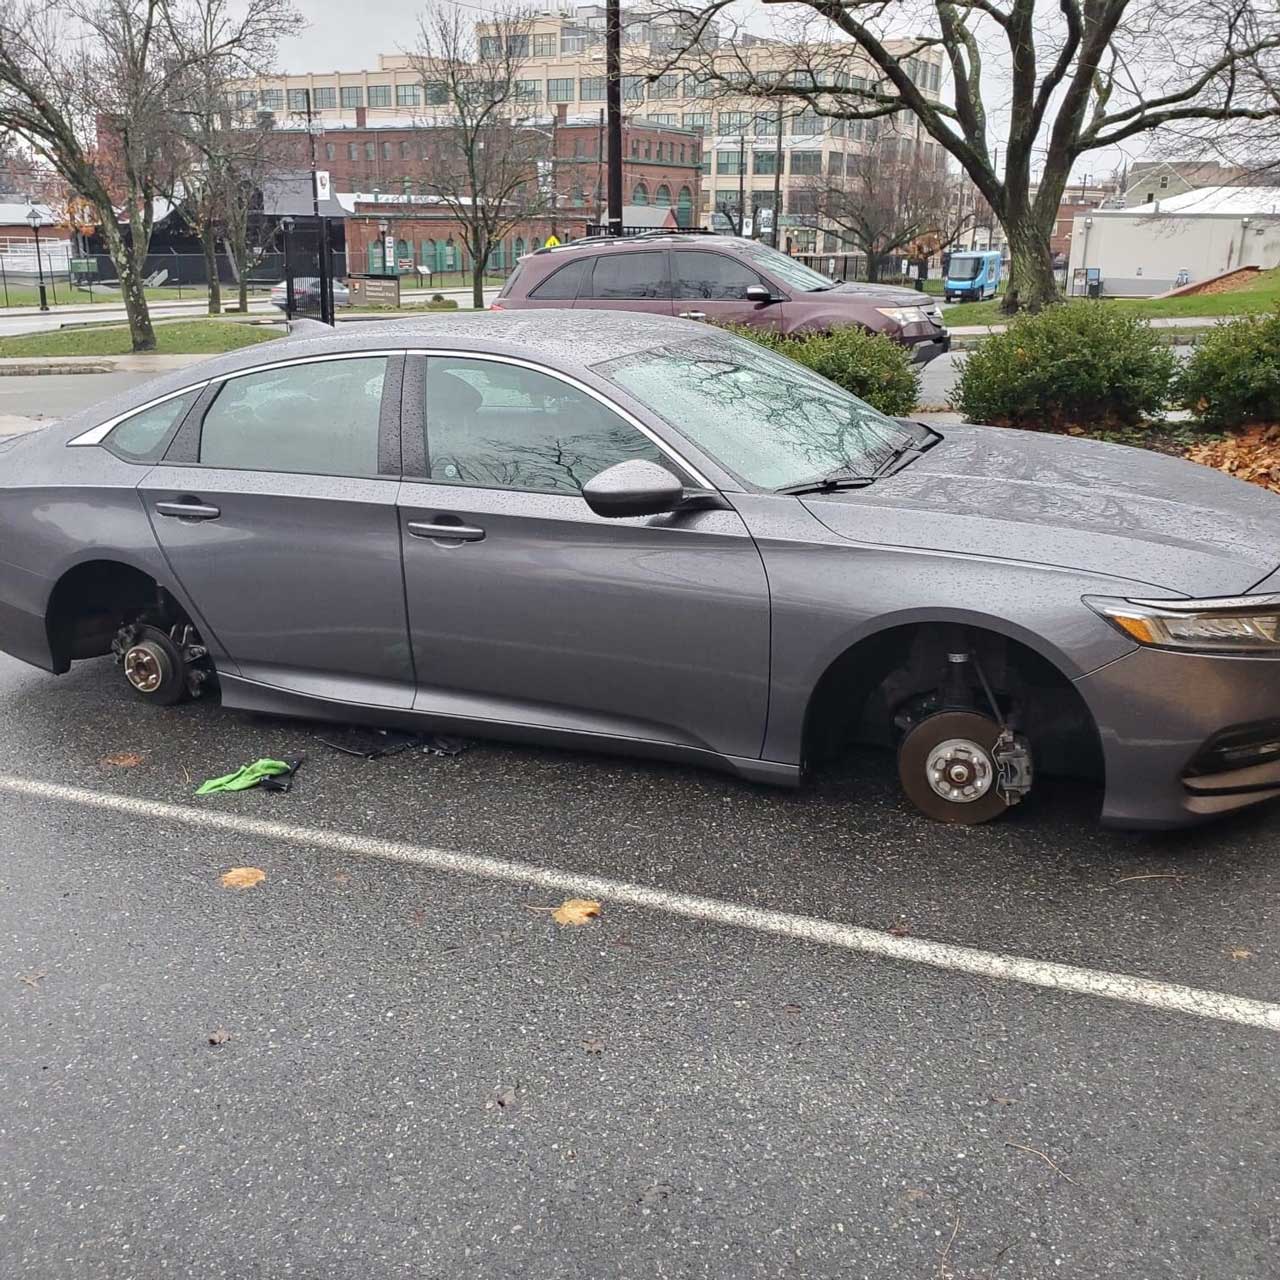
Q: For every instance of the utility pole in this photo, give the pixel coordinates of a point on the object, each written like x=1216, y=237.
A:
x=742, y=183
x=613, y=105
x=777, y=181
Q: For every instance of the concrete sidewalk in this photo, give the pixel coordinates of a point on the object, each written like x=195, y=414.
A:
x=964, y=335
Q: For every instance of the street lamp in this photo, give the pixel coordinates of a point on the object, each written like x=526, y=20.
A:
x=33, y=221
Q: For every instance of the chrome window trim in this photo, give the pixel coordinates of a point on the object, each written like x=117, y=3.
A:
x=96, y=435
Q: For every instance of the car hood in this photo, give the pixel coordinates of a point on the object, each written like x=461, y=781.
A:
x=1078, y=504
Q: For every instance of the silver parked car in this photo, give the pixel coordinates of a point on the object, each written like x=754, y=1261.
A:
x=306, y=293
x=618, y=531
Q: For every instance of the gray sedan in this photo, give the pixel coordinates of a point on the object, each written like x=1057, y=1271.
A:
x=632, y=533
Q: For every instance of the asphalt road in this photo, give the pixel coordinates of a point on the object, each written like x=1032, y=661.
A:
x=424, y=1075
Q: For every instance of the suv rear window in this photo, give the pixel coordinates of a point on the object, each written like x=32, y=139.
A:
x=511, y=280
x=562, y=284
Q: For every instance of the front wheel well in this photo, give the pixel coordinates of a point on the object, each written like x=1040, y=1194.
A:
x=92, y=601
x=856, y=699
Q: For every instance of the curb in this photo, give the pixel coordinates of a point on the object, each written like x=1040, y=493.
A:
x=30, y=368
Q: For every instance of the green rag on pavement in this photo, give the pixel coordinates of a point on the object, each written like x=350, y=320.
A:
x=246, y=776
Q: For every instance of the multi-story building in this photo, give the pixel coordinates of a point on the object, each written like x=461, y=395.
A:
x=562, y=67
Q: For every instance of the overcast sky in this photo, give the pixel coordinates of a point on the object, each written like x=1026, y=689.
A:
x=347, y=36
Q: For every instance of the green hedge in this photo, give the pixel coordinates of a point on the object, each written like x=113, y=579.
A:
x=1076, y=364
x=1233, y=376
x=871, y=366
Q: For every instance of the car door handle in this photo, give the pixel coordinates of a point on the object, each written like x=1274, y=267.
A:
x=188, y=510
x=693, y=315
x=454, y=532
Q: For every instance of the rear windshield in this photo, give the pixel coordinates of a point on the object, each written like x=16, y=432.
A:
x=511, y=279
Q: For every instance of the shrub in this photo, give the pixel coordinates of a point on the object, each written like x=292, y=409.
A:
x=1233, y=376
x=1075, y=364
x=871, y=366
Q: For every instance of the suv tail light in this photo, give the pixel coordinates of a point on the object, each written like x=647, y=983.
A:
x=495, y=305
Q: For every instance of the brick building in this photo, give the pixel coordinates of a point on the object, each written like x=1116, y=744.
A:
x=661, y=164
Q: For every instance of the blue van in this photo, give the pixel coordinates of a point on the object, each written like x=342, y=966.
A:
x=972, y=276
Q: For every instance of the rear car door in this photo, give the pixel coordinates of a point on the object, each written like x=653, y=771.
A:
x=527, y=608
x=275, y=506
x=628, y=280
x=713, y=286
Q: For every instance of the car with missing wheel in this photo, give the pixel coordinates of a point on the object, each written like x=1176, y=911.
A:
x=723, y=280
x=629, y=533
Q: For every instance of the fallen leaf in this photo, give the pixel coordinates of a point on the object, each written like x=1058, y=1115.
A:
x=576, y=911
x=1251, y=454
x=899, y=929
x=341, y=877
x=122, y=760
x=32, y=979
x=595, y=1047
x=656, y=1193
x=1004, y=1102
x=221, y=1036
x=1240, y=953
x=242, y=877
x=504, y=1099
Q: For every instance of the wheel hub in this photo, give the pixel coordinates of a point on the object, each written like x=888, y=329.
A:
x=144, y=667
x=959, y=770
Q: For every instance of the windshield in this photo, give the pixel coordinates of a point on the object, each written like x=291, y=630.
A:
x=788, y=270
x=771, y=422
x=964, y=268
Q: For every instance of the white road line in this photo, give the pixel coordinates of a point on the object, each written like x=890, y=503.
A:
x=1167, y=996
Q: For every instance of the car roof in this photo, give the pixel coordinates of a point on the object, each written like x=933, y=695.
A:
x=690, y=239
x=563, y=339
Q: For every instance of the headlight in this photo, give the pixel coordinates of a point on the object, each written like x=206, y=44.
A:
x=902, y=315
x=1229, y=624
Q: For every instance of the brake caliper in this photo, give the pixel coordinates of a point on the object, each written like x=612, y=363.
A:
x=1014, y=772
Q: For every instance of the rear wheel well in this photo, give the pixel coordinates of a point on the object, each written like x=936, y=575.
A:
x=91, y=602
x=858, y=695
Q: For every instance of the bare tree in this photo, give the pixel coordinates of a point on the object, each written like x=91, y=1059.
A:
x=91, y=86
x=1032, y=83
x=888, y=201
x=486, y=168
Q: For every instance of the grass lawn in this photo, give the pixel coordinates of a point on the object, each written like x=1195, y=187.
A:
x=180, y=337
x=1260, y=294
x=62, y=295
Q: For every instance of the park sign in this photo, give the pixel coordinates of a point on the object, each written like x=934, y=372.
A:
x=375, y=291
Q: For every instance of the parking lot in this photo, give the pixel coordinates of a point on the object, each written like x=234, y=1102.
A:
x=809, y=1034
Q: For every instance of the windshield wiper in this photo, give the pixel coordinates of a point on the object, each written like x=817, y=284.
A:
x=827, y=484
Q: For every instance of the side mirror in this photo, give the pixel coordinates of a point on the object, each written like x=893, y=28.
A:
x=634, y=488
x=758, y=293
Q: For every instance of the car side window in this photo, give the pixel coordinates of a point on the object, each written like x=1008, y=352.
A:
x=500, y=426
x=713, y=277
x=319, y=418
x=142, y=436
x=631, y=275
x=564, y=284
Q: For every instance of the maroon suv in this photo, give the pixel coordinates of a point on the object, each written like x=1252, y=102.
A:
x=719, y=278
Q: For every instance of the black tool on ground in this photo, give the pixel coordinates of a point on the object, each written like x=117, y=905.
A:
x=376, y=744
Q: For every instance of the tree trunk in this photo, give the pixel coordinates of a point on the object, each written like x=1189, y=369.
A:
x=141, y=333
x=209, y=245
x=1032, y=285
x=477, y=282
x=874, y=262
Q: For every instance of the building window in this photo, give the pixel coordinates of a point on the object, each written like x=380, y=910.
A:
x=297, y=99
x=732, y=121
x=633, y=88
x=490, y=47
x=1164, y=182
x=697, y=119
x=408, y=95
x=640, y=194
x=807, y=123
x=662, y=197
x=806, y=163
x=696, y=87
x=386, y=151
x=544, y=46
x=684, y=207
x=352, y=95
x=436, y=93
x=406, y=150
x=648, y=152
x=835, y=164
x=379, y=95
x=353, y=151
x=635, y=149
x=272, y=99
x=369, y=152
x=528, y=90
x=591, y=88
x=246, y=98
x=573, y=44
x=766, y=125
x=664, y=87
x=324, y=99
x=765, y=162
x=560, y=90
x=664, y=119
x=728, y=162
x=801, y=200
x=518, y=46
x=837, y=128
x=330, y=151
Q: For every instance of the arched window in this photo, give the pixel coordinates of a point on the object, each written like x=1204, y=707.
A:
x=662, y=197
x=403, y=250
x=640, y=194
x=519, y=247
x=375, y=258
x=535, y=243
x=684, y=207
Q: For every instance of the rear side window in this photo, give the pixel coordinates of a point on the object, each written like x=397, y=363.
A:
x=515, y=275
x=564, y=284
x=712, y=276
x=631, y=275
x=142, y=437
x=320, y=419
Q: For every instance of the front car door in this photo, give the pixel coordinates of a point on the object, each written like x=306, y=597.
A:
x=275, y=506
x=713, y=286
x=526, y=608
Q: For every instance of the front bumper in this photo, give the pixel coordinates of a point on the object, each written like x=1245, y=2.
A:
x=1158, y=715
